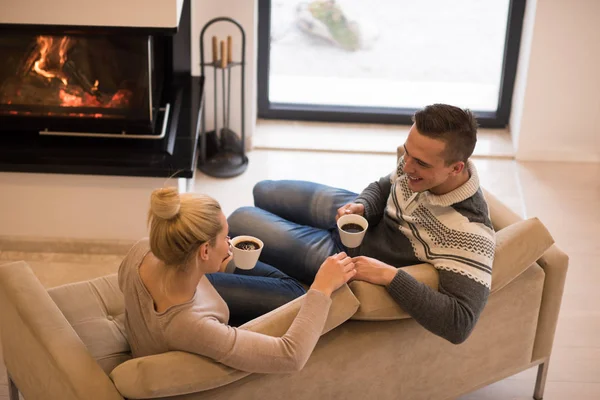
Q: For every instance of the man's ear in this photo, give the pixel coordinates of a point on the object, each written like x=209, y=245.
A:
x=457, y=168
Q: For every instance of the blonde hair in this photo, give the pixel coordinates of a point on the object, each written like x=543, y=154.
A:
x=180, y=223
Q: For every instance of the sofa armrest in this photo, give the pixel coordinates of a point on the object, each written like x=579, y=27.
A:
x=42, y=352
x=555, y=264
x=517, y=247
x=176, y=373
x=376, y=304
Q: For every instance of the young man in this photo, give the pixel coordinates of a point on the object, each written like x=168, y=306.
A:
x=429, y=209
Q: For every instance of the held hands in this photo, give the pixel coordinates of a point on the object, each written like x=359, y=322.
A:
x=371, y=270
x=350, y=208
x=333, y=273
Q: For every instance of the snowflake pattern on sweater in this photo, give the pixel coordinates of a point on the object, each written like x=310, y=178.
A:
x=441, y=232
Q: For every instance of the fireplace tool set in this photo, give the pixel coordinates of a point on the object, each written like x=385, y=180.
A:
x=221, y=150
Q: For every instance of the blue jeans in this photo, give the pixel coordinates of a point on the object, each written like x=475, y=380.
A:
x=252, y=293
x=296, y=222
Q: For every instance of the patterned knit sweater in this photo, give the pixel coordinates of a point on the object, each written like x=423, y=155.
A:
x=452, y=232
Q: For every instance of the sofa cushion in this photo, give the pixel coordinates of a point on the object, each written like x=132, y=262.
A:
x=175, y=373
x=517, y=247
x=95, y=309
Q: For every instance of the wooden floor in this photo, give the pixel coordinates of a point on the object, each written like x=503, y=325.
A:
x=565, y=196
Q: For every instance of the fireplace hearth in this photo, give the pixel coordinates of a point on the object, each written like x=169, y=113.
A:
x=98, y=99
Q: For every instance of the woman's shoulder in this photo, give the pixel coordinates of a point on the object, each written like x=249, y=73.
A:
x=132, y=259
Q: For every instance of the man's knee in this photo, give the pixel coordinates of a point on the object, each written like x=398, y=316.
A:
x=261, y=191
x=241, y=216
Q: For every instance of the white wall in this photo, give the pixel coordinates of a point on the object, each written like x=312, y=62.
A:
x=246, y=13
x=556, y=107
x=142, y=13
x=516, y=114
x=75, y=206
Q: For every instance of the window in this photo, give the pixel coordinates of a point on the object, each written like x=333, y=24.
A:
x=379, y=61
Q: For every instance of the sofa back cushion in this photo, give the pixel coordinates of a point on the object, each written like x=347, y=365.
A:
x=518, y=246
x=96, y=311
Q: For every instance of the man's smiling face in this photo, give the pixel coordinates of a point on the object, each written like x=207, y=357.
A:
x=425, y=163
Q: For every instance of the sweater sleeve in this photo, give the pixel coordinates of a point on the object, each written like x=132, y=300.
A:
x=374, y=197
x=451, y=312
x=251, y=351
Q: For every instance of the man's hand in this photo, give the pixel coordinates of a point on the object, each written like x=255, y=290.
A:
x=350, y=208
x=371, y=270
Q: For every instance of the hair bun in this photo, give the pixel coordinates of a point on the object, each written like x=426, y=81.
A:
x=165, y=202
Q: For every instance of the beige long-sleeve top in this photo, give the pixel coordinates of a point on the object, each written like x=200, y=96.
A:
x=200, y=325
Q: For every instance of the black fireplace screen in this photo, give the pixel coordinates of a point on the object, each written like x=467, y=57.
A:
x=99, y=77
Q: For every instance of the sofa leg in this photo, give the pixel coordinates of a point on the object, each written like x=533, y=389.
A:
x=13, y=392
x=540, y=382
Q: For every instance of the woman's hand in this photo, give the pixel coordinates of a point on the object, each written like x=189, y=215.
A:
x=333, y=273
x=226, y=261
x=374, y=271
x=350, y=208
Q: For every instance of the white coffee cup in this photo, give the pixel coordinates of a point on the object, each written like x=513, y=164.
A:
x=242, y=258
x=352, y=239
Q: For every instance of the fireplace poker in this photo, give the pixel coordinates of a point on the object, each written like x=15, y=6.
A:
x=229, y=60
x=223, y=68
x=216, y=121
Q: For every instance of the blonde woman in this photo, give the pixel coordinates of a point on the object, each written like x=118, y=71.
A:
x=171, y=304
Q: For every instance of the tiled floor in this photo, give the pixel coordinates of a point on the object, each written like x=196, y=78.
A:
x=565, y=196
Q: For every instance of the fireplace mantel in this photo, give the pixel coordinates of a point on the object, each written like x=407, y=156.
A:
x=163, y=14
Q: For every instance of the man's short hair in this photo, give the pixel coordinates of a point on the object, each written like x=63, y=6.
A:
x=453, y=125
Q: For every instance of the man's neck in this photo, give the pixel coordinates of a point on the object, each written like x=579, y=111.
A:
x=452, y=183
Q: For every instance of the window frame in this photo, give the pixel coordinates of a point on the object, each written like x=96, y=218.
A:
x=384, y=115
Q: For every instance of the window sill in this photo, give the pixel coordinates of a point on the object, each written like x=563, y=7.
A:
x=360, y=138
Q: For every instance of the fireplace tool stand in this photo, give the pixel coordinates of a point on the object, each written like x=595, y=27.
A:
x=222, y=152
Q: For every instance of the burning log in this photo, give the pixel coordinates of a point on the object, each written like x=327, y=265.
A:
x=92, y=88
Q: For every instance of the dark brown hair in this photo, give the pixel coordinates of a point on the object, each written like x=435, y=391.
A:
x=453, y=125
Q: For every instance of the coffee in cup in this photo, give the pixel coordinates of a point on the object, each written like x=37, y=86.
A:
x=248, y=245
x=352, y=229
x=246, y=250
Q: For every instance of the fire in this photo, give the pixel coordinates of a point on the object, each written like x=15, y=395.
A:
x=75, y=91
x=70, y=100
x=119, y=99
x=47, y=48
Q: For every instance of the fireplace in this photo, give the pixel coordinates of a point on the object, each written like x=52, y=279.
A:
x=98, y=99
x=86, y=83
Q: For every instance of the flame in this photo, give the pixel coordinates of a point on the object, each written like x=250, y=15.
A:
x=48, y=47
x=66, y=83
x=62, y=50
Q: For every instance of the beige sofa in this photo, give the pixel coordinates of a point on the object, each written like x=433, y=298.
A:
x=69, y=343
